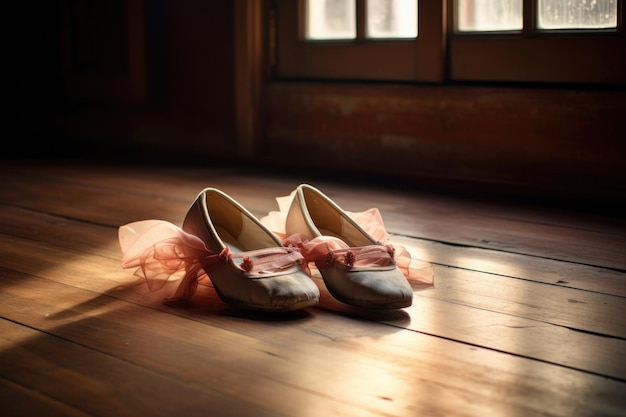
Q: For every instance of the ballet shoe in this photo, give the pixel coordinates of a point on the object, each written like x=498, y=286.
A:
x=223, y=242
x=356, y=268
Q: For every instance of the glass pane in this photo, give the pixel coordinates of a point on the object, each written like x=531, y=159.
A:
x=330, y=19
x=391, y=19
x=489, y=15
x=577, y=14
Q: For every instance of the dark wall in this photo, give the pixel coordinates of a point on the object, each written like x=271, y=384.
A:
x=122, y=79
x=154, y=81
x=32, y=70
x=553, y=141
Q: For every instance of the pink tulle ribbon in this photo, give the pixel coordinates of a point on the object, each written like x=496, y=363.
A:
x=160, y=250
x=323, y=250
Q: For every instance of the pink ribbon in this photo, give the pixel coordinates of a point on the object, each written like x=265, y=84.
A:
x=160, y=250
x=324, y=249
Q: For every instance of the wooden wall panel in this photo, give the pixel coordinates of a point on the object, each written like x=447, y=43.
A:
x=539, y=140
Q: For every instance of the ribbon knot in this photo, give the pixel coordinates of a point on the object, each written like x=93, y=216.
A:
x=159, y=250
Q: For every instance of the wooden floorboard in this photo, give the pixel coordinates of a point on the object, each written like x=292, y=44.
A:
x=527, y=315
x=591, y=321
x=19, y=400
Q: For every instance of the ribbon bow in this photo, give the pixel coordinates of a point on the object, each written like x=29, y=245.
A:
x=160, y=250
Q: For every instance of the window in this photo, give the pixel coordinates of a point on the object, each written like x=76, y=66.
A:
x=572, y=41
x=358, y=39
x=508, y=15
x=490, y=15
x=384, y=19
x=579, y=14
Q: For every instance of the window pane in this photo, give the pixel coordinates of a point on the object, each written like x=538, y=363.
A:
x=391, y=19
x=577, y=14
x=489, y=15
x=330, y=19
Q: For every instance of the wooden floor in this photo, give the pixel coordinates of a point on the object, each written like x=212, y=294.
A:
x=527, y=316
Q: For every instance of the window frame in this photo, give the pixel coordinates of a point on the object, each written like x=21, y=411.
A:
x=418, y=59
x=539, y=56
x=440, y=54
